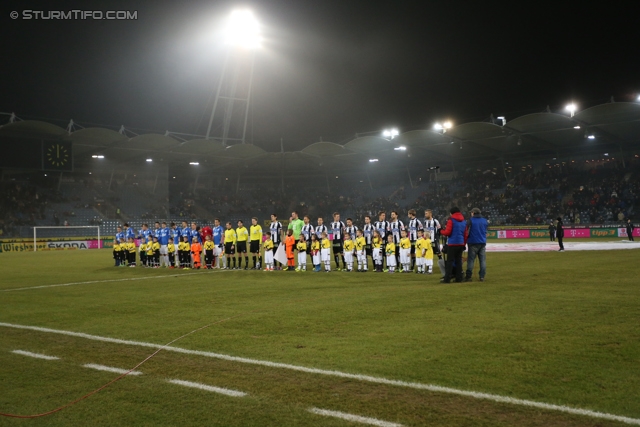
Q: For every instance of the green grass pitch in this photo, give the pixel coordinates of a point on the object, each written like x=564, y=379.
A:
x=556, y=328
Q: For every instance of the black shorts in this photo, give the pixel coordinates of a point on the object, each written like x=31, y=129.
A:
x=368, y=250
x=413, y=248
x=254, y=246
x=241, y=247
x=229, y=249
x=337, y=246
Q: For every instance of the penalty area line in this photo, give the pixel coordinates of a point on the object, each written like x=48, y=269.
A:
x=339, y=374
x=107, y=281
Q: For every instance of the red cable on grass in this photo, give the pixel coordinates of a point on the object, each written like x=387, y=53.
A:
x=53, y=411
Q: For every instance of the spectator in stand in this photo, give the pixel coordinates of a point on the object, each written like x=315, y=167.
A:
x=456, y=232
x=560, y=234
x=477, y=242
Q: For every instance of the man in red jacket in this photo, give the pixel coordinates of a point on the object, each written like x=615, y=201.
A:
x=456, y=231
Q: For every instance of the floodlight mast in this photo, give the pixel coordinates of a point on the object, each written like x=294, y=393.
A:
x=242, y=31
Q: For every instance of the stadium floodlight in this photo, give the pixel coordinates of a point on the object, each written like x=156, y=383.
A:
x=576, y=127
x=194, y=163
x=373, y=160
x=149, y=160
x=571, y=108
x=243, y=29
x=503, y=119
x=638, y=98
x=591, y=137
x=98, y=156
x=437, y=126
x=401, y=148
x=447, y=125
x=390, y=133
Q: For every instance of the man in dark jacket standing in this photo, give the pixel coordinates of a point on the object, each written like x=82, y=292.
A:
x=456, y=231
x=477, y=242
x=560, y=234
x=630, y=228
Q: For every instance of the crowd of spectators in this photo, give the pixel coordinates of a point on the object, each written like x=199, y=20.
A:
x=608, y=193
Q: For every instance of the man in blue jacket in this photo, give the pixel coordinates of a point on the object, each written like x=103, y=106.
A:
x=456, y=231
x=477, y=242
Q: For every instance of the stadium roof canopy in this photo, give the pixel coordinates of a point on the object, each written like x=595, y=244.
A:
x=605, y=126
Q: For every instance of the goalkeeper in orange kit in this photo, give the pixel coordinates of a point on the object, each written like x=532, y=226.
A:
x=196, y=250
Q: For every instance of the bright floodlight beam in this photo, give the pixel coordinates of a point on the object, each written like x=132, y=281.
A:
x=571, y=108
x=243, y=29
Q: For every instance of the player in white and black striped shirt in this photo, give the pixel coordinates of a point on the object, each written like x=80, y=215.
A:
x=432, y=226
x=321, y=228
x=337, y=229
x=367, y=230
x=413, y=225
x=307, y=231
x=395, y=227
x=382, y=225
x=351, y=229
x=276, y=235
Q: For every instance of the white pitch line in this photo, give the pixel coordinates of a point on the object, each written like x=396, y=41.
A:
x=354, y=418
x=358, y=377
x=226, y=391
x=110, y=369
x=36, y=355
x=108, y=280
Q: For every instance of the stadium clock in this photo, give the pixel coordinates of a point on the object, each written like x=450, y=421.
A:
x=57, y=155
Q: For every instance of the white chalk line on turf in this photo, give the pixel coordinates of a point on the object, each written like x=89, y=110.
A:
x=35, y=355
x=358, y=377
x=220, y=390
x=353, y=418
x=110, y=369
x=109, y=280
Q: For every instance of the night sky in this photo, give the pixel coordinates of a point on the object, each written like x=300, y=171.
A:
x=327, y=69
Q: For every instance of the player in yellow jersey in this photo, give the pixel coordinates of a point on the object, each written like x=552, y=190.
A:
x=376, y=251
x=420, y=250
x=143, y=253
x=315, y=252
x=171, y=252
x=348, y=247
x=405, y=251
x=242, y=235
x=208, y=248
x=302, y=254
x=230, y=246
x=116, y=253
x=131, y=253
x=255, y=234
x=155, y=246
x=325, y=252
x=390, y=252
x=268, y=253
x=186, y=253
x=361, y=254
x=428, y=255
x=150, y=253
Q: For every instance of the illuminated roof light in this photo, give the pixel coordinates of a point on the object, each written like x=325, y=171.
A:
x=447, y=125
x=576, y=127
x=437, y=126
x=370, y=161
x=194, y=163
x=149, y=160
x=591, y=137
x=401, y=148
